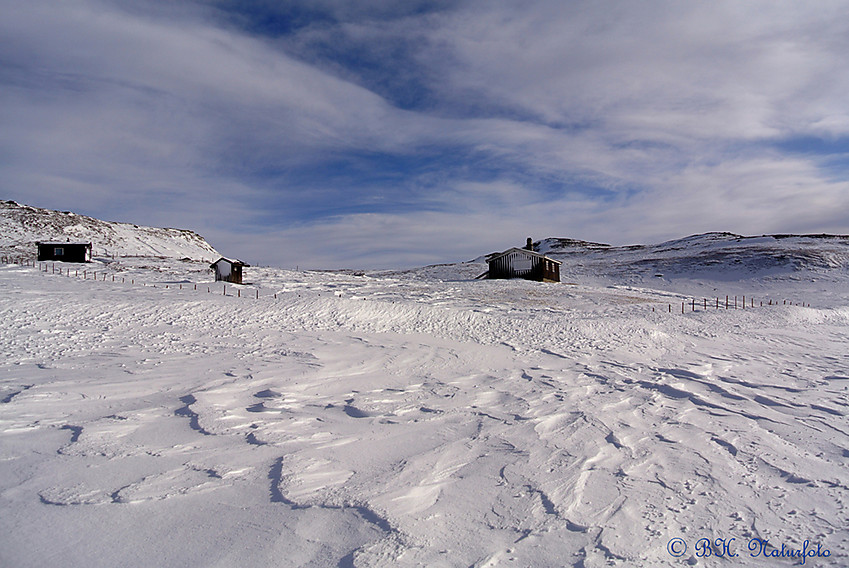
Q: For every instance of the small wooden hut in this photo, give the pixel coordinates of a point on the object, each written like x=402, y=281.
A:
x=64, y=252
x=228, y=270
x=523, y=263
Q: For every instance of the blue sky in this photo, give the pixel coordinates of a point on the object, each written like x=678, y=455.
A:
x=371, y=134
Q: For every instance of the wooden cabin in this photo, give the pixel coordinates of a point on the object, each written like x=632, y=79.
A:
x=523, y=263
x=64, y=252
x=228, y=270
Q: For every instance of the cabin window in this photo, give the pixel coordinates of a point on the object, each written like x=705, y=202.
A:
x=58, y=251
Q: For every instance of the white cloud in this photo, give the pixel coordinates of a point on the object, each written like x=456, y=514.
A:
x=617, y=122
x=656, y=69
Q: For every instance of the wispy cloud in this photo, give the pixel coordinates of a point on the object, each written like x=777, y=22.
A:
x=377, y=134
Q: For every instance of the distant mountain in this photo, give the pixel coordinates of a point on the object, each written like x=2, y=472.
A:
x=723, y=256
x=21, y=226
x=554, y=245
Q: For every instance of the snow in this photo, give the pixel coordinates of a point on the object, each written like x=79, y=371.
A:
x=21, y=226
x=152, y=416
x=421, y=418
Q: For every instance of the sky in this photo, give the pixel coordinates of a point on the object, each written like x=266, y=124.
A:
x=386, y=134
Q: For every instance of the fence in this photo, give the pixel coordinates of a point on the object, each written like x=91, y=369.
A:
x=738, y=302
x=103, y=276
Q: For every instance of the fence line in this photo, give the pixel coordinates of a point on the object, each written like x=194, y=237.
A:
x=101, y=276
x=716, y=305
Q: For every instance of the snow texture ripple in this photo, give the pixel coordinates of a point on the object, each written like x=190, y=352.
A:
x=415, y=419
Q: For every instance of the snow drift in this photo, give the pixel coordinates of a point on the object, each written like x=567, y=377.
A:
x=422, y=418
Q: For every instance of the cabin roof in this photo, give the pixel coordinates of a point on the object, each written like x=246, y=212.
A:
x=62, y=243
x=523, y=251
x=233, y=261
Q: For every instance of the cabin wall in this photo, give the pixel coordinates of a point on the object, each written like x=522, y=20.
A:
x=518, y=265
x=551, y=271
x=64, y=252
x=511, y=265
x=226, y=272
x=222, y=271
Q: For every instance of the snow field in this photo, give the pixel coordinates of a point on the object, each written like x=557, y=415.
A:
x=389, y=421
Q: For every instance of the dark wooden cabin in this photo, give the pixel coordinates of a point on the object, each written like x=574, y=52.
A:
x=524, y=263
x=64, y=252
x=228, y=270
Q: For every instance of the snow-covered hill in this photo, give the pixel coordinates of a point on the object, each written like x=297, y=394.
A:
x=717, y=256
x=21, y=226
x=711, y=257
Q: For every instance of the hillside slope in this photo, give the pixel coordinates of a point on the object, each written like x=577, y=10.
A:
x=723, y=255
x=712, y=261
x=21, y=226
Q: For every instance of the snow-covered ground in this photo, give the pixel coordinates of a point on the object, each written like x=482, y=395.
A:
x=421, y=418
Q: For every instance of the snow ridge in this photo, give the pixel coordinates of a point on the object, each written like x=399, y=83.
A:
x=21, y=226
x=717, y=257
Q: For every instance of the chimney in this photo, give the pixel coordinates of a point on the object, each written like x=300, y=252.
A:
x=530, y=245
